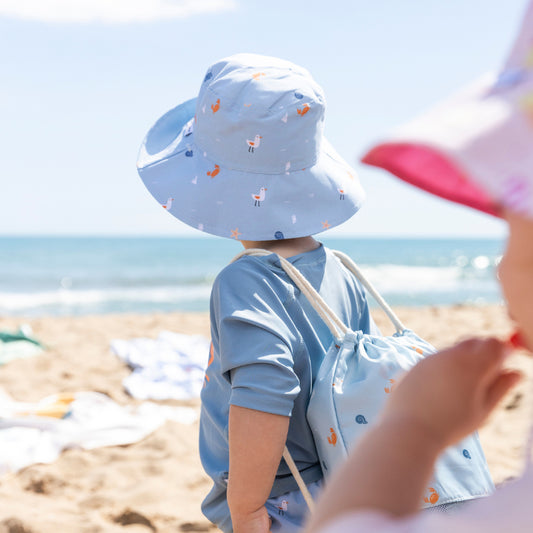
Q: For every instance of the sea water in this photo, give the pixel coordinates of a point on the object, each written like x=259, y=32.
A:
x=96, y=275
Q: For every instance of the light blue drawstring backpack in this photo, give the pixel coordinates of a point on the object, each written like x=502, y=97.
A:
x=352, y=385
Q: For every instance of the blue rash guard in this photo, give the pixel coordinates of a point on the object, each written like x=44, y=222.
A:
x=267, y=346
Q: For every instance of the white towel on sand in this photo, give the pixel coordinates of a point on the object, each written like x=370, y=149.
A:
x=37, y=432
x=169, y=367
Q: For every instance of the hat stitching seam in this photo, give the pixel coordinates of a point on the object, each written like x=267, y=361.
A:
x=293, y=171
x=194, y=145
x=232, y=169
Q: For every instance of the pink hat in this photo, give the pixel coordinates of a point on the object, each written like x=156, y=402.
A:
x=476, y=148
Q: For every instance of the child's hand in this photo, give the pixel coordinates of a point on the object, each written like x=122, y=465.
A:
x=257, y=522
x=451, y=393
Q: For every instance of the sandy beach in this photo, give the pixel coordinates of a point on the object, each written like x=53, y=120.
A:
x=157, y=484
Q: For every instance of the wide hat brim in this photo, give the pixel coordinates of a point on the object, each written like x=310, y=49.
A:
x=444, y=151
x=243, y=205
x=475, y=148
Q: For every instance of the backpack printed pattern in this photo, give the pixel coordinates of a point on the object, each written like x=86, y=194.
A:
x=351, y=389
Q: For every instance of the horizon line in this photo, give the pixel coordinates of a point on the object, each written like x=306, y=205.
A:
x=208, y=236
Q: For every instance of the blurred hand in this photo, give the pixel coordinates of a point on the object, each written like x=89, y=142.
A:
x=451, y=393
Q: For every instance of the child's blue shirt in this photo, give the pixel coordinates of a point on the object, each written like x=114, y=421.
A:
x=267, y=345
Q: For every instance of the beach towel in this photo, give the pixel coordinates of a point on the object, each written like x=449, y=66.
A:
x=38, y=432
x=18, y=344
x=169, y=367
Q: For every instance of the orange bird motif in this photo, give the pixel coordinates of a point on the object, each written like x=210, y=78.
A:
x=214, y=172
x=333, y=438
x=304, y=110
x=216, y=107
x=433, y=496
x=388, y=389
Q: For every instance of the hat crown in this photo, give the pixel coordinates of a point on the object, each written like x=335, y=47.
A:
x=246, y=159
x=259, y=114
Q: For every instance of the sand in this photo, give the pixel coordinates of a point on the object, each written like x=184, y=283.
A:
x=158, y=484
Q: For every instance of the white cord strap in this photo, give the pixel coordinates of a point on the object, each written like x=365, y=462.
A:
x=333, y=322
x=354, y=269
x=299, y=480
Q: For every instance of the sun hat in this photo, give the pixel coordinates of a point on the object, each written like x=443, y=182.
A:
x=476, y=148
x=247, y=159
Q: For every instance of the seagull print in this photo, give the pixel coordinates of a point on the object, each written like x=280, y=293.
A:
x=252, y=145
x=168, y=205
x=258, y=198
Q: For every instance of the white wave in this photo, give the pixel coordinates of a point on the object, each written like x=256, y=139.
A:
x=398, y=279
x=19, y=301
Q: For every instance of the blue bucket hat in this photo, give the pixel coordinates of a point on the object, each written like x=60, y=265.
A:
x=247, y=158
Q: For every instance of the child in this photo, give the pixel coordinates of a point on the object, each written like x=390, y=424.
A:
x=475, y=150
x=247, y=160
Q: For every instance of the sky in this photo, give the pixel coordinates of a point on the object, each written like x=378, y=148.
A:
x=82, y=81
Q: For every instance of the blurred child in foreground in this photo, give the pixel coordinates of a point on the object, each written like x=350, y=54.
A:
x=476, y=149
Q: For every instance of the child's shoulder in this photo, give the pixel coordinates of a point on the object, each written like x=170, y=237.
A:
x=251, y=279
x=247, y=270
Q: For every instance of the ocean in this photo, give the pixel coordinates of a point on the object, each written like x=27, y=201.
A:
x=98, y=275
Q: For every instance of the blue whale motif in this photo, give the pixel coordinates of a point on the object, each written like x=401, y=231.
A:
x=466, y=453
x=360, y=419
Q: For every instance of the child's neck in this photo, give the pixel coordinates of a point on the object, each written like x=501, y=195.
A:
x=286, y=247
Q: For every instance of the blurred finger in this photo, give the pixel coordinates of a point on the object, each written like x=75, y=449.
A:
x=487, y=357
x=501, y=386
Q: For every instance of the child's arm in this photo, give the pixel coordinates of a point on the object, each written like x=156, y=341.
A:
x=256, y=442
x=441, y=400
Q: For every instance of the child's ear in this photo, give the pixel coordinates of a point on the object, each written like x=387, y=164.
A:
x=516, y=274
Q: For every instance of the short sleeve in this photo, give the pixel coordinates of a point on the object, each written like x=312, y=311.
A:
x=257, y=341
